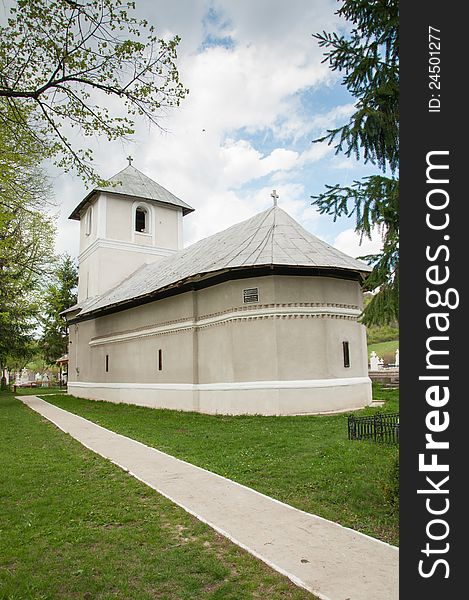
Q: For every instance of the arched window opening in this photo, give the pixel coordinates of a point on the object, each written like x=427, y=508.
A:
x=141, y=220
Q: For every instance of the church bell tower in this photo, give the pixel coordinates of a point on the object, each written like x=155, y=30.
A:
x=131, y=222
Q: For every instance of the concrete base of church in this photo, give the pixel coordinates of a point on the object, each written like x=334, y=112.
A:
x=244, y=398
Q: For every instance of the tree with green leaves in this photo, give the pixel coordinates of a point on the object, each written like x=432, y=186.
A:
x=369, y=59
x=26, y=242
x=26, y=252
x=61, y=61
x=60, y=294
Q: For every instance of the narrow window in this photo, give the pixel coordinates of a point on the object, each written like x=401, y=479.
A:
x=346, y=350
x=160, y=360
x=141, y=220
x=107, y=363
x=88, y=217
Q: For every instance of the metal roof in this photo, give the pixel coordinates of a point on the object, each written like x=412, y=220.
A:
x=270, y=238
x=132, y=182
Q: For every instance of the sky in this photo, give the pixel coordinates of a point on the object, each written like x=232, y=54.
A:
x=258, y=95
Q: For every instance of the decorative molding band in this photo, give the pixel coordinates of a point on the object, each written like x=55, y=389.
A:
x=187, y=321
x=127, y=246
x=274, y=311
x=239, y=385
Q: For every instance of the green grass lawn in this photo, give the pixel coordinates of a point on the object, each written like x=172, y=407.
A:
x=74, y=526
x=305, y=461
x=39, y=391
x=385, y=350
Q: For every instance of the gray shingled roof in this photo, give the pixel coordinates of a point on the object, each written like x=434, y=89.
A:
x=133, y=182
x=270, y=238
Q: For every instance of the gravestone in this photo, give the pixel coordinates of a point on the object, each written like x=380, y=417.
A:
x=374, y=361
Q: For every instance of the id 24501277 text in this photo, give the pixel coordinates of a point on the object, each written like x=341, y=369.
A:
x=434, y=69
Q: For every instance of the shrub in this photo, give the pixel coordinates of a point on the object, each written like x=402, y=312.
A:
x=385, y=333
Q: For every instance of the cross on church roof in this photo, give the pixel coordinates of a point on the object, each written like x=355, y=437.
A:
x=130, y=159
x=275, y=196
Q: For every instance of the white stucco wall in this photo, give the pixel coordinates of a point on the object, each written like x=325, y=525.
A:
x=282, y=355
x=112, y=249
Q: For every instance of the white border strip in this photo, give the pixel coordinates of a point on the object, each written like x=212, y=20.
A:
x=279, y=311
x=239, y=385
x=125, y=246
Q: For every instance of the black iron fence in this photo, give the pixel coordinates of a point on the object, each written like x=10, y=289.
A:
x=381, y=427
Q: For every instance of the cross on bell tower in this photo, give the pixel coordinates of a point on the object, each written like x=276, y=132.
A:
x=130, y=159
x=275, y=196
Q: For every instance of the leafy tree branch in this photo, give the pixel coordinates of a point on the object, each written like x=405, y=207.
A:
x=61, y=61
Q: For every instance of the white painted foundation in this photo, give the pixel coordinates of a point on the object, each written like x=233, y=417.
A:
x=243, y=398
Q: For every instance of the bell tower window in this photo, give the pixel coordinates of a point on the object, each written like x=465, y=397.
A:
x=141, y=220
x=88, y=217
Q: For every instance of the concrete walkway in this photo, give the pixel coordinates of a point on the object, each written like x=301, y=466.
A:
x=333, y=562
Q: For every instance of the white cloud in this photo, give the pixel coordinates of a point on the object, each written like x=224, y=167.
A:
x=349, y=242
x=344, y=164
x=298, y=124
x=329, y=119
x=315, y=152
x=242, y=163
x=249, y=86
x=211, y=153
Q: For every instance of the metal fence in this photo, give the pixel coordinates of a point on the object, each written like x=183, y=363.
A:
x=382, y=427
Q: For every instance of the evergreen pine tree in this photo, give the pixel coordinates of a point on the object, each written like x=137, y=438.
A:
x=369, y=59
x=60, y=295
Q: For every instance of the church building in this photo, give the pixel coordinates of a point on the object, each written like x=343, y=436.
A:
x=261, y=318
